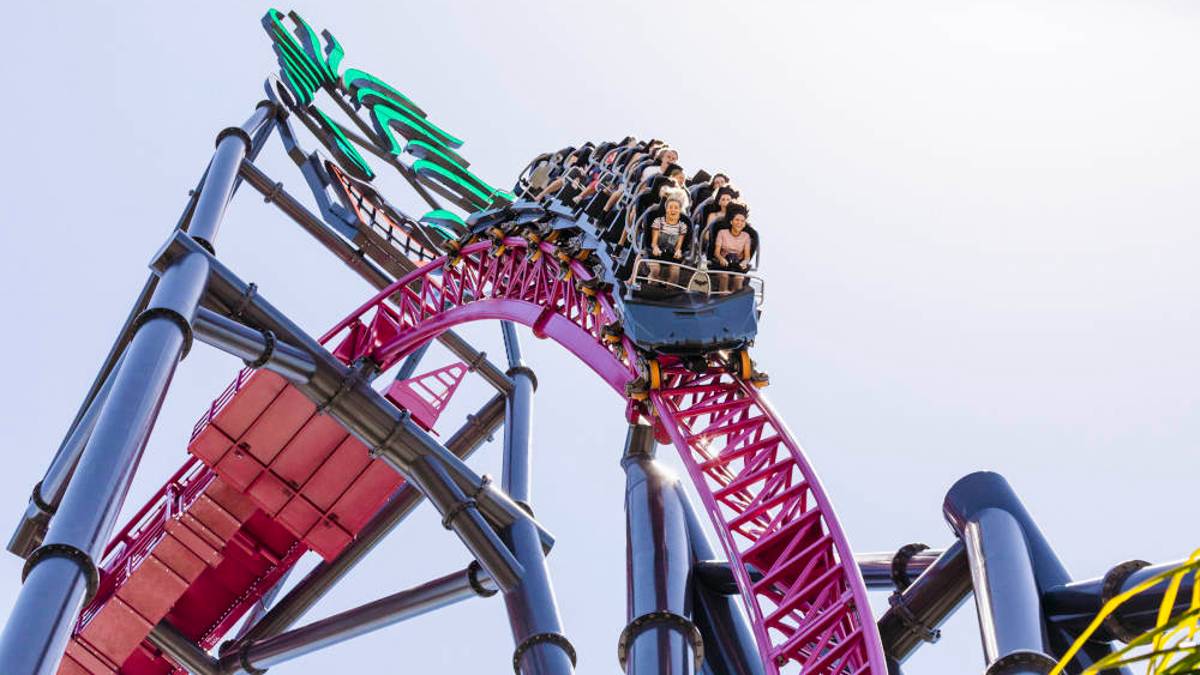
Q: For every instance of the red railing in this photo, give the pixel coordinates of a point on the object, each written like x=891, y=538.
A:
x=145, y=529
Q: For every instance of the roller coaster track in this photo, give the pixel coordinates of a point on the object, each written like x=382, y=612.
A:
x=793, y=565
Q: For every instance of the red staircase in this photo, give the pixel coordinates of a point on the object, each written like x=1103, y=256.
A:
x=269, y=479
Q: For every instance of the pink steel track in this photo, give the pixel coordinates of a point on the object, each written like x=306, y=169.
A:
x=797, y=577
x=810, y=607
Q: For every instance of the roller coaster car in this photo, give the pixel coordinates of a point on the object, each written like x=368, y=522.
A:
x=687, y=323
x=508, y=216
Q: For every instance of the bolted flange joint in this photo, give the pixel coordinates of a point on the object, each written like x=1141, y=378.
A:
x=77, y=555
x=900, y=564
x=171, y=315
x=376, y=451
x=473, y=571
x=239, y=132
x=661, y=618
x=557, y=639
x=36, y=498
x=526, y=371
x=1114, y=579
x=456, y=510
x=1023, y=661
x=269, y=342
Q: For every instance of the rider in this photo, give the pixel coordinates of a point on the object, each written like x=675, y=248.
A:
x=733, y=247
x=667, y=235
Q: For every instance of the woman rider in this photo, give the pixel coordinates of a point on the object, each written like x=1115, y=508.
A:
x=667, y=235
x=733, y=247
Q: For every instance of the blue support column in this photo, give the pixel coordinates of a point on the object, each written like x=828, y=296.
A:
x=729, y=647
x=62, y=574
x=660, y=637
x=542, y=648
x=1012, y=565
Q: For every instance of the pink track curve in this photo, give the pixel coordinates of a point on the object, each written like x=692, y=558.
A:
x=809, y=609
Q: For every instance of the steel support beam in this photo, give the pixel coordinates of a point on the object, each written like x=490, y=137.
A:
x=258, y=349
x=1011, y=564
x=259, y=655
x=660, y=636
x=353, y=257
x=262, y=606
x=47, y=494
x=542, y=647
x=477, y=430
x=918, y=610
x=469, y=505
x=49, y=491
x=729, y=647
x=182, y=650
x=62, y=574
x=411, y=362
x=1073, y=606
x=898, y=569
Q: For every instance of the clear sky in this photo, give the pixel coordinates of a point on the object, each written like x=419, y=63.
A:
x=980, y=245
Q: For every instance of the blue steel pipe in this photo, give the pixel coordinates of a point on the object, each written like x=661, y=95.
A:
x=541, y=646
x=660, y=637
x=62, y=574
x=729, y=647
x=48, y=492
x=1010, y=556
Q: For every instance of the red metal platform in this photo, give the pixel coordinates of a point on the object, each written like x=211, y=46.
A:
x=270, y=478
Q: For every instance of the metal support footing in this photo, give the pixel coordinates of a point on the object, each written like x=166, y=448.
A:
x=533, y=616
x=1010, y=563
x=182, y=650
x=259, y=349
x=325, y=575
x=658, y=555
x=918, y=610
x=1071, y=607
x=365, y=269
x=259, y=655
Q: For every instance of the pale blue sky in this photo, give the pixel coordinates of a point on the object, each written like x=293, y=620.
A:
x=980, y=249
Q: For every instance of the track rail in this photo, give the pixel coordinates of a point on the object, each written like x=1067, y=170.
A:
x=793, y=566
x=809, y=609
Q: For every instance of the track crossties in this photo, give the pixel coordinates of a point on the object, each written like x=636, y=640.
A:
x=288, y=479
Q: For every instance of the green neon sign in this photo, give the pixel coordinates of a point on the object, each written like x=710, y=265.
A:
x=308, y=67
x=348, y=154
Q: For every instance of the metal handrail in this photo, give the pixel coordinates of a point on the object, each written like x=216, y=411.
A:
x=754, y=281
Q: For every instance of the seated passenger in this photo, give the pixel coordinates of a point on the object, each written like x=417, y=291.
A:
x=594, y=175
x=571, y=173
x=732, y=251
x=664, y=159
x=678, y=176
x=711, y=214
x=704, y=191
x=668, y=233
x=540, y=176
x=720, y=208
